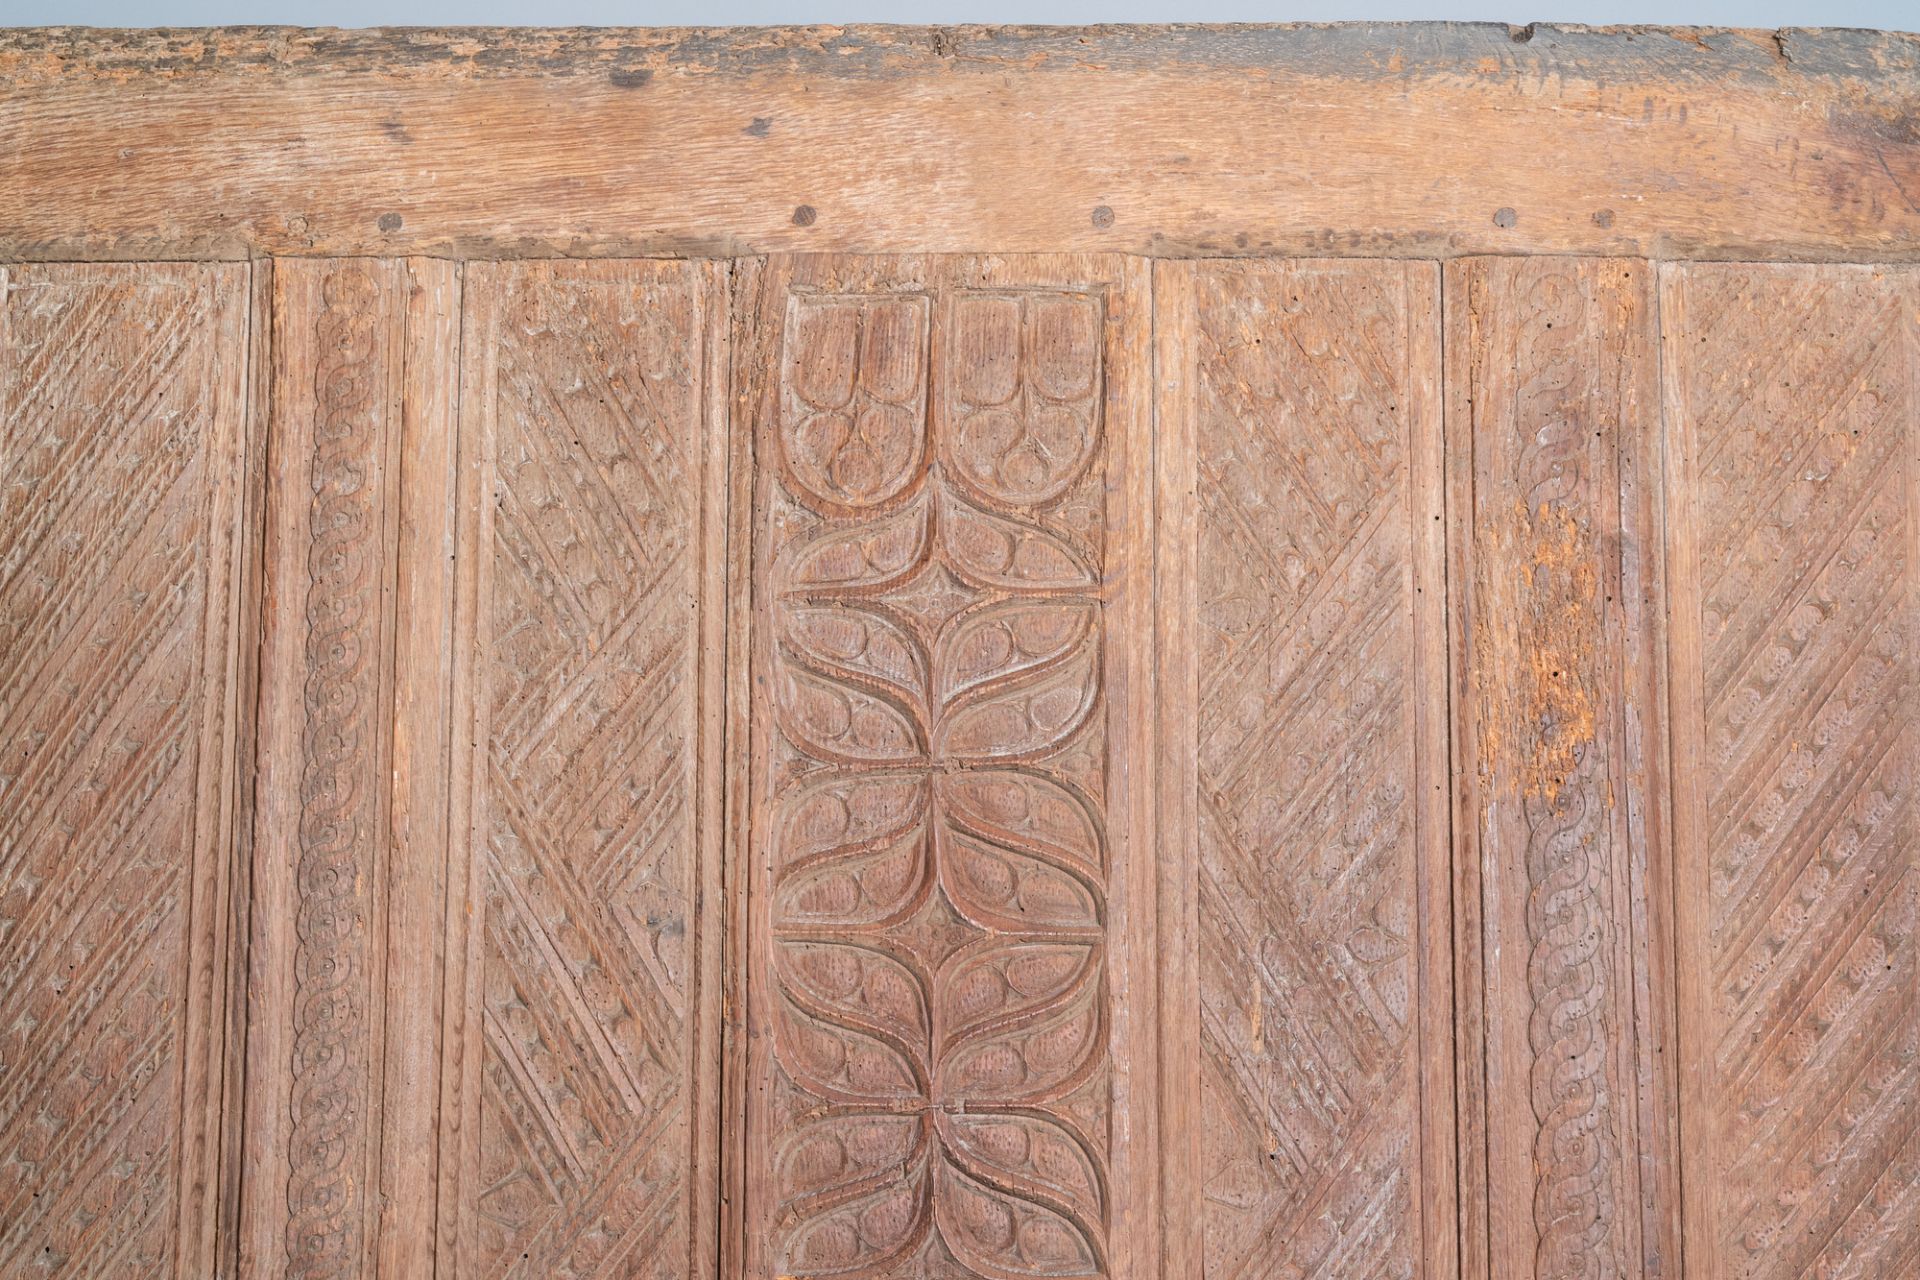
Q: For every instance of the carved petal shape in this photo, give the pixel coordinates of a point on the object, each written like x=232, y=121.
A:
x=1018, y=852
x=840, y=722
x=1028, y=810
x=1024, y=456
x=1024, y=411
x=1025, y=715
x=854, y=1025
x=1008, y=889
x=854, y=644
x=1011, y=638
x=853, y=429
x=997, y=551
x=985, y=342
x=852, y=852
x=867, y=557
x=858, y=1190
x=1019, y=1196
x=1065, y=335
x=1022, y=1021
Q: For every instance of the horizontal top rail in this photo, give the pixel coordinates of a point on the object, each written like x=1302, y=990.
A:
x=1394, y=140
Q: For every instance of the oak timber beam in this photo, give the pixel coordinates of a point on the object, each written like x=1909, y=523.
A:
x=1412, y=140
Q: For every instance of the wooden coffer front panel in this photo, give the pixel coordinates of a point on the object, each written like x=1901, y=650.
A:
x=944, y=766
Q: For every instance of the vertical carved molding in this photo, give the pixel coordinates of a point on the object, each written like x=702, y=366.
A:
x=1794, y=514
x=1305, y=398
x=122, y=611
x=582, y=1077
x=939, y=931
x=1550, y=399
x=339, y=794
x=359, y=466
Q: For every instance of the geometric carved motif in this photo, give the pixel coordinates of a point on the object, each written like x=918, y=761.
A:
x=326, y=839
x=339, y=803
x=591, y=819
x=120, y=479
x=1309, y=383
x=1549, y=379
x=934, y=527
x=1792, y=399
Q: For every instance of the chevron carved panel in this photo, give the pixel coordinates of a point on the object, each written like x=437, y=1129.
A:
x=941, y=927
x=1551, y=403
x=1791, y=396
x=121, y=502
x=1309, y=397
x=590, y=1066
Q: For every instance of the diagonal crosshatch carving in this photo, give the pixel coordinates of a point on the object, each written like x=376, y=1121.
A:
x=1011, y=653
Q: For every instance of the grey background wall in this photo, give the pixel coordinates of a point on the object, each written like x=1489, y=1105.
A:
x=1898, y=15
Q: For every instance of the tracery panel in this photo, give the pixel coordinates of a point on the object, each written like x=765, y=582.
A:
x=951, y=1054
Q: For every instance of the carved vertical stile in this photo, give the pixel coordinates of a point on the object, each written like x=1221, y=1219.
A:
x=1550, y=407
x=122, y=609
x=1794, y=510
x=1177, y=730
x=581, y=1080
x=351, y=747
x=1310, y=1104
x=949, y=1068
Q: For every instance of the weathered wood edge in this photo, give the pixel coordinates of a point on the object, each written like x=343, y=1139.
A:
x=1353, y=50
x=1400, y=140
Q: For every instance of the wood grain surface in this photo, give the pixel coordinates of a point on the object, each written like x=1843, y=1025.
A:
x=1425, y=140
x=1168, y=653
x=121, y=709
x=1551, y=407
x=1792, y=497
x=1311, y=714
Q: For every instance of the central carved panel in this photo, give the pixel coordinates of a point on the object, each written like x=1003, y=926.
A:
x=934, y=539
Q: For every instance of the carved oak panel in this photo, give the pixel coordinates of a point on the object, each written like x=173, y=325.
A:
x=585, y=869
x=1795, y=507
x=1551, y=405
x=121, y=507
x=1304, y=400
x=944, y=959
x=348, y=833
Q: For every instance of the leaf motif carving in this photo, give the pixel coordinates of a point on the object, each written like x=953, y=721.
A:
x=840, y=722
x=1026, y=376
x=1022, y=1021
x=1001, y=553
x=1027, y=809
x=1011, y=638
x=853, y=429
x=854, y=645
x=1019, y=1196
x=870, y=556
x=1027, y=714
x=857, y=1189
x=854, y=1025
x=853, y=853
x=1019, y=852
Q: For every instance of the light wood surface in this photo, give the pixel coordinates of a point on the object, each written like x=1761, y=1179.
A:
x=1146, y=653
x=1398, y=140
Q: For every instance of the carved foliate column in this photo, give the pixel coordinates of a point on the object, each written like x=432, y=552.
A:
x=948, y=1069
